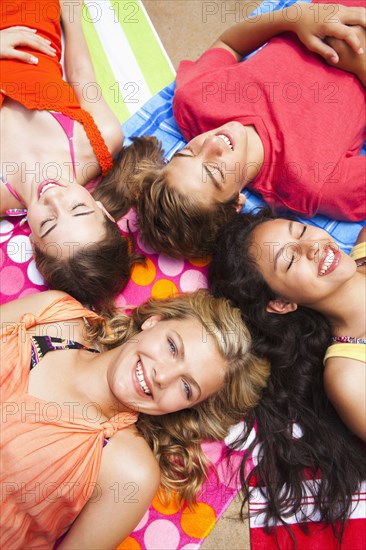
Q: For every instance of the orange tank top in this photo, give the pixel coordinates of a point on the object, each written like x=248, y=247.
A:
x=42, y=87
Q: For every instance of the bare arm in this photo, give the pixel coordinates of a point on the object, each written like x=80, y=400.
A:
x=345, y=384
x=127, y=482
x=311, y=23
x=80, y=73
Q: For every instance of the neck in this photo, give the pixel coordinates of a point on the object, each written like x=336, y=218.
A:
x=345, y=309
x=90, y=381
x=255, y=154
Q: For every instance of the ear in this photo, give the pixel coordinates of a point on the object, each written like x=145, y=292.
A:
x=280, y=306
x=240, y=202
x=150, y=322
x=105, y=211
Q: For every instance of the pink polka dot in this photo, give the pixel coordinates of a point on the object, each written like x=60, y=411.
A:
x=131, y=218
x=212, y=450
x=190, y=546
x=11, y=280
x=192, y=280
x=120, y=301
x=170, y=266
x=143, y=521
x=161, y=534
x=28, y=292
x=6, y=229
x=146, y=249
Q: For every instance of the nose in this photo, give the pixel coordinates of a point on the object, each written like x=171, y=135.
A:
x=163, y=374
x=310, y=247
x=57, y=196
x=213, y=146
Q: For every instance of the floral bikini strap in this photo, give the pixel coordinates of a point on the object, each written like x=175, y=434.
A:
x=348, y=340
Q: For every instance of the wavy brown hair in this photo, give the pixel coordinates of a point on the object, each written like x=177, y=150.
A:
x=176, y=438
x=93, y=274
x=120, y=190
x=178, y=225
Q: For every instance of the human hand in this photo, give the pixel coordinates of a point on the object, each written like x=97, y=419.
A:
x=13, y=37
x=349, y=60
x=313, y=22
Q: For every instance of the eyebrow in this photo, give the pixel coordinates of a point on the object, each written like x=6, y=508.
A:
x=74, y=216
x=290, y=229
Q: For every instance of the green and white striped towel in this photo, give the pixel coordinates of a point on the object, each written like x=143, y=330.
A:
x=130, y=61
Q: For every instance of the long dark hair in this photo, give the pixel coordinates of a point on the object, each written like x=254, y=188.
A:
x=301, y=436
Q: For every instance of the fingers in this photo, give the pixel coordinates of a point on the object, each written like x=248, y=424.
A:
x=351, y=37
x=23, y=56
x=36, y=42
x=317, y=45
x=19, y=36
x=354, y=16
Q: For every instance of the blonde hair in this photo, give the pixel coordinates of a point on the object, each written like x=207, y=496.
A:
x=176, y=438
x=176, y=224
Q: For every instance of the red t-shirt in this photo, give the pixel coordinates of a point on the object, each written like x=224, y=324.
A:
x=310, y=117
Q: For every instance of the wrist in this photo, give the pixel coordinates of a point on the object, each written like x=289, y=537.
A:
x=291, y=17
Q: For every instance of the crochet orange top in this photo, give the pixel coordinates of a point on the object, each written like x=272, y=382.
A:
x=42, y=87
x=50, y=457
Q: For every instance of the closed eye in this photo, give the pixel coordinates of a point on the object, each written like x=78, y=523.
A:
x=183, y=152
x=291, y=262
x=81, y=204
x=45, y=221
x=214, y=168
x=303, y=231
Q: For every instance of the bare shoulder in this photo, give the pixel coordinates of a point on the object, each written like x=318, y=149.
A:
x=345, y=385
x=126, y=485
x=128, y=455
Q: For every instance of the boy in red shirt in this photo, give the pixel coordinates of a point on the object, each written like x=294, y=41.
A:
x=284, y=123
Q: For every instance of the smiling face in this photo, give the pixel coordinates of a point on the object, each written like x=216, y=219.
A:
x=64, y=216
x=212, y=165
x=300, y=262
x=170, y=365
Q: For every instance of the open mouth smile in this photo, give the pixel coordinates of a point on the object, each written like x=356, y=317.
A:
x=225, y=138
x=329, y=261
x=46, y=185
x=141, y=379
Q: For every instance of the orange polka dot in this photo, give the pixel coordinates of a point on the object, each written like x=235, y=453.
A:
x=200, y=262
x=168, y=508
x=129, y=544
x=199, y=521
x=143, y=274
x=164, y=289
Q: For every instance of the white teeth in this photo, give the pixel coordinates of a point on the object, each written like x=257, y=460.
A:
x=46, y=187
x=226, y=140
x=327, y=262
x=141, y=379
